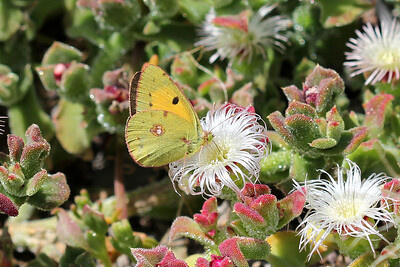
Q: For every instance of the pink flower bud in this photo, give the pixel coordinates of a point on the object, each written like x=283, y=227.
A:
x=59, y=69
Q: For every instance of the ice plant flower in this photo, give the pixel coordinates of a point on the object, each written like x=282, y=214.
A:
x=242, y=35
x=343, y=207
x=234, y=154
x=376, y=52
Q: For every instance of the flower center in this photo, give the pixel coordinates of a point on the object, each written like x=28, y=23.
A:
x=217, y=153
x=347, y=209
x=388, y=58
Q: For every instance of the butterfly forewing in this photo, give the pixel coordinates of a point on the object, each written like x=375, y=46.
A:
x=163, y=126
x=152, y=88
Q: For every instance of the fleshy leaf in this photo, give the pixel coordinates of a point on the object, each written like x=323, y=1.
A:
x=7, y=206
x=323, y=143
x=321, y=87
x=11, y=18
x=77, y=256
x=250, y=219
x=303, y=128
x=187, y=227
x=94, y=220
x=207, y=219
x=46, y=75
x=34, y=152
x=53, y=192
x=15, y=147
x=238, y=249
x=35, y=183
x=278, y=123
x=293, y=93
x=71, y=130
x=74, y=83
x=297, y=107
x=123, y=238
x=61, y=53
x=274, y=167
x=158, y=256
x=341, y=12
x=358, y=135
x=217, y=261
x=97, y=246
x=375, y=111
x=367, y=259
x=370, y=155
x=291, y=207
x=335, y=124
x=69, y=231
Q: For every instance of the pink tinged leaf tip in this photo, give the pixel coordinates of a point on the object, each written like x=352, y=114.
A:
x=291, y=206
x=15, y=146
x=158, y=256
x=359, y=134
x=207, y=219
x=293, y=93
x=252, y=191
x=230, y=248
x=370, y=143
x=34, y=135
x=187, y=227
x=297, y=200
x=69, y=231
x=240, y=248
x=375, y=110
x=244, y=211
x=7, y=206
x=209, y=206
x=169, y=260
x=216, y=261
x=264, y=204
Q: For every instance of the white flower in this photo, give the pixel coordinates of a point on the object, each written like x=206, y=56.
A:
x=241, y=37
x=234, y=153
x=343, y=206
x=376, y=52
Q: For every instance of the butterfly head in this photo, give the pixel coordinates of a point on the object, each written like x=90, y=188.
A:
x=207, y=137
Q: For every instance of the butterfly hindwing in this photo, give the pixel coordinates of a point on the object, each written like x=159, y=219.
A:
x=158, y=137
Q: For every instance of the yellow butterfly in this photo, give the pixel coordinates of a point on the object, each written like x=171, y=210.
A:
x=163, y=126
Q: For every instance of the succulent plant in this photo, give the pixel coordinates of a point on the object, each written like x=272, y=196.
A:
x=112, y=102
x=23, y=180
x=257, y=215
x=313, y=127
x=87, y=228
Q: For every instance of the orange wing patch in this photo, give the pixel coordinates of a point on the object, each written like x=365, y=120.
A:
x=157, y=130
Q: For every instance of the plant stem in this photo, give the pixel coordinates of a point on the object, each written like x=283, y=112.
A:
x=119, y=187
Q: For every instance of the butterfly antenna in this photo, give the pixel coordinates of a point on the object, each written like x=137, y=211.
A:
x=167, y=59
x=201, y=67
